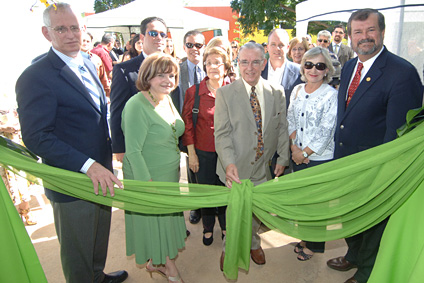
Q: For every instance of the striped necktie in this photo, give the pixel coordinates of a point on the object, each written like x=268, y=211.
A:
x=90, y=85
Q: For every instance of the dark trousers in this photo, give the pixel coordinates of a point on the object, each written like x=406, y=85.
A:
x=363, y=249
x=82, y=229
x=207, y=175
x=316, y=247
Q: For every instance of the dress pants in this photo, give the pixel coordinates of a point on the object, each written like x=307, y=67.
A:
x=82, y=229
x=316, y=247
x=363, y=249
x=207, y=175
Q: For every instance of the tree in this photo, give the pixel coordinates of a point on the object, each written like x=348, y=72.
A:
x=104, y=5
x=269, y=14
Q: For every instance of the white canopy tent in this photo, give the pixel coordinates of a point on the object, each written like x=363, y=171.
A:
x=179, y=20
x=404, y=22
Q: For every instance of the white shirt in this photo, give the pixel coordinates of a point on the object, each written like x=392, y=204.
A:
x=276, y=76
x=313, y=116
x=259, y=90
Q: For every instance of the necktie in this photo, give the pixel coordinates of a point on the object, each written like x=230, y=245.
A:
x=90, y=85
x=256, y=108
x=355, y=83
x=195, y=78
x=336, y=49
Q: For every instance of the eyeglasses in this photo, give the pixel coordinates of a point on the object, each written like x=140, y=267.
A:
x=63, y=29
x=321, y=40
x=214, y=65
x=298, y=49
x=191, y=45
x=255, y=63
x=154, y=33
x=233, y=47
x=319, y=66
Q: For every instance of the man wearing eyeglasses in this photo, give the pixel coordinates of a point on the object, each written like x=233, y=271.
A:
x=250, y=126
x=62, y=112
x=323, y=40
x=153, y=33
x=344, y=53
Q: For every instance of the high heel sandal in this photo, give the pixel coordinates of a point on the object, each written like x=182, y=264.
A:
x=26, y=218
x=150, y=268
x=176, y=279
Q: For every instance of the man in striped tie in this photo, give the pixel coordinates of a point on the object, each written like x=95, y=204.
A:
x=62, y=111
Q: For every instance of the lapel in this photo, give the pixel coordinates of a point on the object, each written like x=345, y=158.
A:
x=368, y=81
x=288, y=74
x=68, y=75
x=184, y=75
x=92, y=69
x=264, y=73
x=241, y=98
x=269, y=104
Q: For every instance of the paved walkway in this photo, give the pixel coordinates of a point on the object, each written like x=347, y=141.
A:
x=197, y=263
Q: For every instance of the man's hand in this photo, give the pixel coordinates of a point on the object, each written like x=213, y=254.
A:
x=99, y=174
x=231, y=175
x=120, y=156
x=279, y=170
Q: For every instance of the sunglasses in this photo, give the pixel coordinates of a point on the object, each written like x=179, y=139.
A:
x=319, y=66
x=321, y=40
x=154, y=33
x=191, y=45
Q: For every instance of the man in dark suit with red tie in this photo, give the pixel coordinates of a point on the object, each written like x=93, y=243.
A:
x=62, y=111
x=376, y=91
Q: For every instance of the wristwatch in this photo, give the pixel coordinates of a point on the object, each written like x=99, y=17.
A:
x=305, y=154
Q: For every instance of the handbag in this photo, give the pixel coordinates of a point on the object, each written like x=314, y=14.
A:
x=191, y=176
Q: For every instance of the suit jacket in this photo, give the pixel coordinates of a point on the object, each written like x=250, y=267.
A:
x=184, y=83
x=59, y=120
x=291, y=78
x=345, y=53
x=379, y=106
x=236, y=132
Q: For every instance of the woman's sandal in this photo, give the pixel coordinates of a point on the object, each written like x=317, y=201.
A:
x=26, y=217
x=298, y=248
x=302, y=256
x=150, y=268
x=176, y=279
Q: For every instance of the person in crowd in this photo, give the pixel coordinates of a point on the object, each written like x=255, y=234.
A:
x=376, y=91
x=343, y=52
x=199, y=139
x=265, y=46
x=64, y=121
x=103, y=49
x=312, y=121
x=309, y=39
x=136, y=49
x=278, y=70
x=152, y=125
x=191, y=73
x=153, y=34
x=86, y=46
x=222, y=42
x=297, y=47
x=245, y=143
x=170, y=49
x=235, y=47
x=323, y=40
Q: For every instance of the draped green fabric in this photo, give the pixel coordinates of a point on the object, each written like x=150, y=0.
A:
x=331, y=201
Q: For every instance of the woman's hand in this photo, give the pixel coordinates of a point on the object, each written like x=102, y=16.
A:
x=193, y=162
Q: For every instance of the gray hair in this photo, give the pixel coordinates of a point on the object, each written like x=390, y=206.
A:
x=58, y=6
x=325, y=33
x=312, y=53
x=285, y=38
x=254, y=45
x=108, y=38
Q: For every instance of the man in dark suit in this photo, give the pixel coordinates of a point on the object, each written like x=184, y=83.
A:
x=153, y=32
x=344, y=53
x=278, y=69
x=376, y=91
x=62, y=111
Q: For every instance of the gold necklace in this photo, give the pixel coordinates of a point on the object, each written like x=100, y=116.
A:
x=153, y=98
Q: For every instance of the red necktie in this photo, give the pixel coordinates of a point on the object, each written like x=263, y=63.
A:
x=256, y=108
x=355, y=83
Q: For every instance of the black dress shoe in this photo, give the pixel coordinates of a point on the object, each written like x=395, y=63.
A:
x=115, y=277
x=188, y=233
x=195, y=216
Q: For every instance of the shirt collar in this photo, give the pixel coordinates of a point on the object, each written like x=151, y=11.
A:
x=70, y=61
x=258, y=86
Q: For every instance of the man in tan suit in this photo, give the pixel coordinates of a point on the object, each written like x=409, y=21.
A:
x=250, y=126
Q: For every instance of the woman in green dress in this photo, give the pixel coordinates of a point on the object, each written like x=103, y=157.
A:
x=151, y=126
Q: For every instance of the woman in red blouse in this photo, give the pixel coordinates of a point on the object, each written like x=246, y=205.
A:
x=200, y=140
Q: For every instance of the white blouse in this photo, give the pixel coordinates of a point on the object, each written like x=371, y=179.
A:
x=313, y=116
